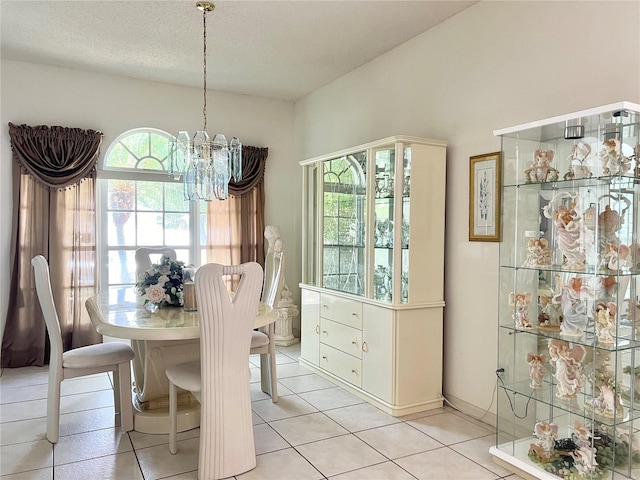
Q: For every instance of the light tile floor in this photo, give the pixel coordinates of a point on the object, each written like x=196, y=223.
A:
x=316, y=431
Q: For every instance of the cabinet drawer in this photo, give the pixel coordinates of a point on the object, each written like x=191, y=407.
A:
x=340, y=336
x=341, y=364
x=342, y=310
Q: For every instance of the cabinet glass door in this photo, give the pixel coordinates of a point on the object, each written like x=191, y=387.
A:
x=404, y=226
x=343, y=223
x=383, y=234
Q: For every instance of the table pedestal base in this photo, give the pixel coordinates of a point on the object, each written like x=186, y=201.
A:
x=156, y=420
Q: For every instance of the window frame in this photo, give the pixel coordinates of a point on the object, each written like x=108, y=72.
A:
x=106, y=173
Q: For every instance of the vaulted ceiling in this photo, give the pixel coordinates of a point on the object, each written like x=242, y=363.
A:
x=276, y=49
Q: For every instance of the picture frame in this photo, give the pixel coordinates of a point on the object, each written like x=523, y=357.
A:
x=484, y=197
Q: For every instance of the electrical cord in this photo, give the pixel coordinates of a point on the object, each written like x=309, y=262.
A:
x=526, y=408
x=493, y=397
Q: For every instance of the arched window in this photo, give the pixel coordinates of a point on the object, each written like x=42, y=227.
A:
x=141, y=205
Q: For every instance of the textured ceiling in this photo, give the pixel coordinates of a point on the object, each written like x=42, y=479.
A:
x=276, y=49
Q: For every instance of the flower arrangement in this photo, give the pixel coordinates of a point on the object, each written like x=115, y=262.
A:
x=162, y=283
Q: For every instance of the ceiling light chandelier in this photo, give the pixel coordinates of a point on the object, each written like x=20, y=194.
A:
x=206, y=165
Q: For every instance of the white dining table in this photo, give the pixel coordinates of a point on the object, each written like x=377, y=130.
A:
x=167, y=337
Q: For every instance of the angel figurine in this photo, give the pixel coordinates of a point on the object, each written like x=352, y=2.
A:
x=606, y=404
x=547, y=433
x=550, y=312
x=606, y=322
x=573, y=301
x=538, y=253
x=568, y=364
x=541, y=170
x=521, y=303
x=615, y=258
x=585, y=456
x=613, y=162
x=577, y=158
x=536, y=369
x=573, y=237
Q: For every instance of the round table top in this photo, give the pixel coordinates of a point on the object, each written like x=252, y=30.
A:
x=120, y=314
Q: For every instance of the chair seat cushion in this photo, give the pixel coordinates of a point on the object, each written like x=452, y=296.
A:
x=185, y=375
x=259, y=339
x=98, y=355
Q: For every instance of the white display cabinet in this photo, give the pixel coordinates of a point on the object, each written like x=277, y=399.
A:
x=569, y=300
x=373, y=270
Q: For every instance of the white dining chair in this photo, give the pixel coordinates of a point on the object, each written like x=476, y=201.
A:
x=263, y=340
x=143, y=257
x=220, y=380
x=103, y=357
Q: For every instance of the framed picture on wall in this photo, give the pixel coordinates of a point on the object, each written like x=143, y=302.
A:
x=484, y=198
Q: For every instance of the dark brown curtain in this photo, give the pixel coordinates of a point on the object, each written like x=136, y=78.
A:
x=235, y=227
x=53, y=215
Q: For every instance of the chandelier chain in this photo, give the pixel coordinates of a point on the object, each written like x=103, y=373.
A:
x=204, y=63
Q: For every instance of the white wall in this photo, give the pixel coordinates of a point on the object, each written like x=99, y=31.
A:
x=41, y=95
x=495, y=65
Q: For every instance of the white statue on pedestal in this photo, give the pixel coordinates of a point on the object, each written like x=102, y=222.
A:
x=286, y=309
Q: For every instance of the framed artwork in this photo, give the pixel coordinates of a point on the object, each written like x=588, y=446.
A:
x=484, y=198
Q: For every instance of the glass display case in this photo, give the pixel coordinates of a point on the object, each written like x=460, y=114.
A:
x=372, y=270
x=569, y=301
x=357, y=235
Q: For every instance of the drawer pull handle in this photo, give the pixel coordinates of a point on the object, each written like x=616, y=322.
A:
x=324, y=305
x=354, y=343
x=318, y=329
x=324, y=357
x=365, y=347
x=353, y=371
x=354, y=314
x=325, y=332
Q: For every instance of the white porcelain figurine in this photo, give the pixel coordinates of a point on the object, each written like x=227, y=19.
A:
x=568, y=364
x=521, y=303
x=613, y=162
x=536, y=369
x=541, y=169
x=577, y=168
x=573, y=301
x=538, y=253
x=606, y=322
x=547, y=433
x=573, y=237
x=550, y=312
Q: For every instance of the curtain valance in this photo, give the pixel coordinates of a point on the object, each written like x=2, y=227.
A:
x=254, y=160
x=57, y=157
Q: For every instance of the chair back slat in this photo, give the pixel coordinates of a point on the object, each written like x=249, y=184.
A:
x=143, y=257
x=48, y=307
x=226, y=427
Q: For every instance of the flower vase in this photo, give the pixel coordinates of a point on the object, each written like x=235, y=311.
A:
x=151, y=307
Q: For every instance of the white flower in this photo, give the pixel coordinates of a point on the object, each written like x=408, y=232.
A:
x=155, y=293
x=162, y=280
